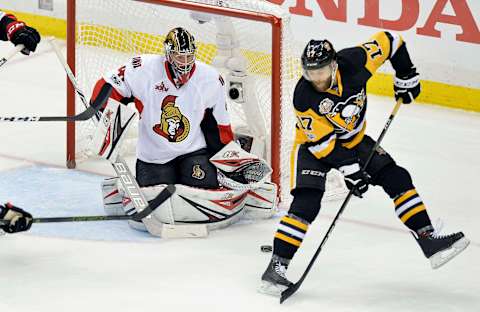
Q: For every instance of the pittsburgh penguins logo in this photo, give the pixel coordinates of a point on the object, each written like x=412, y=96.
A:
x=346, y=114
x=173, y=126
x=197, y=172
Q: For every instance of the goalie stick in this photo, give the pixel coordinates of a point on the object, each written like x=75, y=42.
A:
x=293, y=288
x=154, y=204
x=17, y=49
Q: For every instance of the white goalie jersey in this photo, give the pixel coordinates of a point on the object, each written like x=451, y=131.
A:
x=170, y=117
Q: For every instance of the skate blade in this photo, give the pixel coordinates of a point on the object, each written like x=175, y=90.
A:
x=442, y=257
x=271, y=289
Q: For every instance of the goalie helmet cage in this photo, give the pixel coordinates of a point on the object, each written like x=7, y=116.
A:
x=102, y=35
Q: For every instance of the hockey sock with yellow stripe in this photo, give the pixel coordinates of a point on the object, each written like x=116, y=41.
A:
x=289, y=236
x=411, y=210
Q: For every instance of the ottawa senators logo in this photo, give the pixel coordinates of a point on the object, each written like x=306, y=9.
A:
x=197, y=172
x=173, y=126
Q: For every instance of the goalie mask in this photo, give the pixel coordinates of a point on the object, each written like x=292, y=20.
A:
x=319, y=64
x=238, y=169
x=180, y=53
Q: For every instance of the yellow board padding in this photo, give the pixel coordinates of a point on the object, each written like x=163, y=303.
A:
x=432, y=92
x=128, y=41
x=381, y=84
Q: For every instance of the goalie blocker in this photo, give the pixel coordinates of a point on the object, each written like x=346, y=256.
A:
x=111, y=130
x=245, y=193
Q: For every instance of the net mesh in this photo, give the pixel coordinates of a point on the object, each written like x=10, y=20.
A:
x=109, y=32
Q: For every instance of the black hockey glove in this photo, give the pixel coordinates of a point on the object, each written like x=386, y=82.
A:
x=19, y=220
x=407, y=87
x=19, y=33
x=355, y=179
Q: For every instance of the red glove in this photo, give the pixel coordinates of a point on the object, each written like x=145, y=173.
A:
x=19, y=33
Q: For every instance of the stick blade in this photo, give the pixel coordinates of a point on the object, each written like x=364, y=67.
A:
x=289, y=291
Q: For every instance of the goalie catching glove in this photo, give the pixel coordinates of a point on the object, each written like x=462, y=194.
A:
x=18, y=219
x=240, y=170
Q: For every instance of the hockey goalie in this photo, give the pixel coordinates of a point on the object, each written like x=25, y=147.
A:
x=184, y=138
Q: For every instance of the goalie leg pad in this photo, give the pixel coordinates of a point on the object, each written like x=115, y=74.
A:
x=214, y=209
x=112, y=197
x=262, y=202
x=163, y=224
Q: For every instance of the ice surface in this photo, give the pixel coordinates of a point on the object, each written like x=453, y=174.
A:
x=370, y=262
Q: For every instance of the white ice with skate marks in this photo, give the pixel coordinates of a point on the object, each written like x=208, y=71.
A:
x=370, y=263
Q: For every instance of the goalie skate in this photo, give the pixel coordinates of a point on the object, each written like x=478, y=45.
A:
x=440, y=249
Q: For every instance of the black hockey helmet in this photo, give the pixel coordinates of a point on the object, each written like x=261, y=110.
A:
x=317, y=54
x=180, y=51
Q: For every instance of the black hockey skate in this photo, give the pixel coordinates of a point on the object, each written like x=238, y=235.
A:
x=274, y=280
x=440, y=249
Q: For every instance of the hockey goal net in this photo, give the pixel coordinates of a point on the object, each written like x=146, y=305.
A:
x=248, y=41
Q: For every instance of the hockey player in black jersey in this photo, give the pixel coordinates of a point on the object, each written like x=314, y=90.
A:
x=18, y=33
x=330, y=102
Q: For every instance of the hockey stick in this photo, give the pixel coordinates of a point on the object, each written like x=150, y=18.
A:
x=157, y=201
x=17, y=49
x=73, y=219
x=293, y=288
x=87, y=114
x=68, y=71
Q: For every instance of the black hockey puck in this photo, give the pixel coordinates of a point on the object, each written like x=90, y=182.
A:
x=266, y=248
